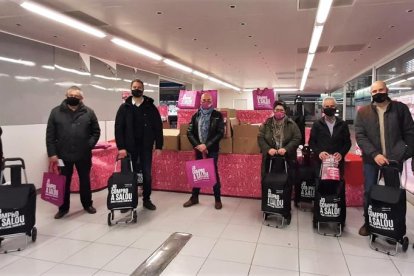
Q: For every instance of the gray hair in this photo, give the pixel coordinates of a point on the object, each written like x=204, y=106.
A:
x=327, y=99
x=74, y=88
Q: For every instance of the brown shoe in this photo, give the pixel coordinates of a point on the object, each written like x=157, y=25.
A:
x=363, y=231
x=218, y=205
x=192, y=201
x=60, y=214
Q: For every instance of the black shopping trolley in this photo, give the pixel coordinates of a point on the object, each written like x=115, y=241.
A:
x=305, y=183
x=276, y=192
x=17, y=204
x=387, y=209
x=123, y=192
x=329, y=204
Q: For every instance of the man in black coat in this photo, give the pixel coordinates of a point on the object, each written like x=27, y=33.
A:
x=330, y=135
x=1, y=153
x=138, y=126
x=72, y=132
x=204, y=133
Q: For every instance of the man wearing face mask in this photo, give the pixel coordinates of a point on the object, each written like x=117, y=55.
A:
x=204, y=133
x=72, y=132
x=330, y=135
x=384, y=131
x=138, y=126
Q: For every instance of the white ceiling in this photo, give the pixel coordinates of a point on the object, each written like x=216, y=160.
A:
x=213, y=40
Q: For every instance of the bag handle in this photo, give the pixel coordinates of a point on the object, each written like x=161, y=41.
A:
x=277, y=157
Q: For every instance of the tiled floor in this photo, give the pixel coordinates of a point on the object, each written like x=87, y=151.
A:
x=231, y=241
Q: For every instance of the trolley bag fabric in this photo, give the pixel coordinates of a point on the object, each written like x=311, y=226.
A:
x=201, y=173
x=386, y=211
x=329, y=205
x=305, y=186
x=17, y=209
x=122, y=190
x=53, y=188
x=275, y=192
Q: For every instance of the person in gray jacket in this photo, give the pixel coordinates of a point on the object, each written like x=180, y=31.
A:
x=72, y=132
x=384, y=131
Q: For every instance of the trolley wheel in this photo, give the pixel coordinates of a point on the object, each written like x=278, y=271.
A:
x=405, y=244
x=373, y=237
x=112, y=214
x=109, y=219
x=34, y=234
x=265, y=215
x=1, y=239
x=134, y=216
x=315, y=224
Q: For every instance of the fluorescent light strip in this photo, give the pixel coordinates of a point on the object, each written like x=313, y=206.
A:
x=316, y=36
x=309, y=61
x=99, y=87
x=18, y=61
x=323, y=11
x=59, y=17
x=410, y=78
x=153, y=85
x=248, y=90
x=135, y=48
x=48, y=67
x=397, y=82
x=27, y=78
x=82, y=73
x=106, y=78
x=281, y=89
x=127, y=80
x=197, y=73
x=304, y=78
x=178, y=65
x=400, y=88
x=68, y=84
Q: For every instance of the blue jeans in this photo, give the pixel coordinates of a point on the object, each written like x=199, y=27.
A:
x=370, y=179
x=216, y=187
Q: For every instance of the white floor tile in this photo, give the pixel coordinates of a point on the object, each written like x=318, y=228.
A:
x=183, y=266
x=223, y=268
x=267, y=271
x=198, y=247
x=19, y=242
x=88, y=232
x=359, y=247
x=370, y=266
x=151, y=240
x=318, y=242
x=122, y=235
x=276, y=257
x=241, y=233
x=206, y=229
x=58, y=250
x=276, y=236
x=405, y=268
x=325, y=263
x=233, y=251
x=59, y=227
x=6, y=259
x=63, y=269
x=108, y=273
x=27, y=267
x=128, y=260
x=95, y=255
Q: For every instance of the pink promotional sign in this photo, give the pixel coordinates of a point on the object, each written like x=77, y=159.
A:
x=163, y=109
x=201, y=173
x=189, y=99
x=263, y=99
x=53, y=188
x=125, y=95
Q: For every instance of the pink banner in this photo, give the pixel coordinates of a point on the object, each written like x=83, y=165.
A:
x=263, y=99
x=163, y=110
x=253, y=116
x=189, y=99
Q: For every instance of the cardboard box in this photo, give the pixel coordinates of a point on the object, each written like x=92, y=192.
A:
x=245, y=139
x=226, y=145
x=171, y=139
x=231, y=113
x=185, y=144
x=183, y=129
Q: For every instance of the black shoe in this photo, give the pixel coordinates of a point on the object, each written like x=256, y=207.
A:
x=148, y=205
x=60, y=214
x=90, y=210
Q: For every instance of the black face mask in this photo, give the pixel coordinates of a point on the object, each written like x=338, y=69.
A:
x=329, y=111
x=137, y=92
x=380, y=97
x=72, y=101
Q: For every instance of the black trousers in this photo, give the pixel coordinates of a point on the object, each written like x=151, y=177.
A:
x=143, y=159
x=84, y=169
x=216, y=187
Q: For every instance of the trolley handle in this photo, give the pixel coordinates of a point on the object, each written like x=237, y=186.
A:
x=117, y=159
x=14, y=159
x=277, y=157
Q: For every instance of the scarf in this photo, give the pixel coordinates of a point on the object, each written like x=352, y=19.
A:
x=204, y=124
x=278, y=127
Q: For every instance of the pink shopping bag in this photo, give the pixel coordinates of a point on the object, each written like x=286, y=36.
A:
x=201, y=173
x=53, y=188
x=263, y=99
x=189, y=99
x=330, y=173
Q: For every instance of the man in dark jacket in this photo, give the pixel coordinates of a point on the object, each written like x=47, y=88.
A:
x=72, y=132
x=384, y=131
x=1, y=154
x=330, y=135
x=205, y=132
x=138, y=126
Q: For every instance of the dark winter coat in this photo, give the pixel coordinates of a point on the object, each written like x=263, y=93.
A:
x=215, y=132
x=152, y=126
x=71, y=135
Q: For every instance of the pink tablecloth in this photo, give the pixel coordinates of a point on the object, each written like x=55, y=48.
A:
x=253, y=116
x=103, y=162
x=184, y=116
